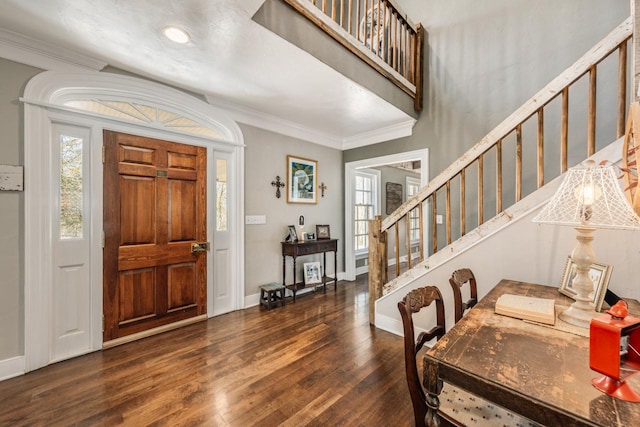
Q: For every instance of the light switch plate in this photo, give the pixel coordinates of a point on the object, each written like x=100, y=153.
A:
x=255, y=219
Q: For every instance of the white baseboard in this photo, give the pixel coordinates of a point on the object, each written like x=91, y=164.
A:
x=362, y=270
x=389, y=324
x=13, y=367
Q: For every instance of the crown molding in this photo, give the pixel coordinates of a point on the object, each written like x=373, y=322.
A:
x=26, y=50
x=276, y=124
x=286, y=127
x=395, y=131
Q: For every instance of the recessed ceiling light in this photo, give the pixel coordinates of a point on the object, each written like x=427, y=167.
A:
x=176, y=35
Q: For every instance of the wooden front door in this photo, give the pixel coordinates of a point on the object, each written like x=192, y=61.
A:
x=154, y=210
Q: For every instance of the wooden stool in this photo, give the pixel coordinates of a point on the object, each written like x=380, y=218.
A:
x=273, y=292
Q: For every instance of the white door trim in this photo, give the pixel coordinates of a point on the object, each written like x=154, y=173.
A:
x=349, y=171
x=44, y=97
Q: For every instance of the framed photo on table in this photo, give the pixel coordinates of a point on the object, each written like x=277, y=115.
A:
x=322, y=232
x=599, y=275
x=312, y=273
x=292, y=236
x=302, y=180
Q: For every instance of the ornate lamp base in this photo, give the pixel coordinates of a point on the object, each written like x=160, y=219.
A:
x=581, y=311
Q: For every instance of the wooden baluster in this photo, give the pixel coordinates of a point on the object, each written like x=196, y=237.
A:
x=591, y=124
x=358, y=19
x=388, y=15
x=350, y=17
x=434, y=224
x=518, y=162
x=412, y=54
x=447, y=210
x=421, y=232
x=499, y=176
x=480, y=189
x=404, y=51
x=378, y=45
x=393, y=25
x=564, y=132
x=397, y=247
x=408, y=237
x=324, y=6
x=385, y=251
x=622, y=88
x=385, y=43
x=540, y=147
x=333, y=10
x=372, y=24
x=463, y=204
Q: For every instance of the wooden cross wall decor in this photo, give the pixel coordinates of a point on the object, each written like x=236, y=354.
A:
x=322, y=188
x=278, y=184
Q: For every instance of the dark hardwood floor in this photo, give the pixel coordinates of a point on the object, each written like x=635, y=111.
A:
x=316, y=362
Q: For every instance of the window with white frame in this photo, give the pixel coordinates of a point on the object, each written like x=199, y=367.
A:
x=365, y=198
x=413, y=186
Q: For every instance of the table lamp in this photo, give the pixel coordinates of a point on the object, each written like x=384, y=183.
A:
x=589, y=197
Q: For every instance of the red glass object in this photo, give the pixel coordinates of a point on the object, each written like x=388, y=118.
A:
x=614, y=351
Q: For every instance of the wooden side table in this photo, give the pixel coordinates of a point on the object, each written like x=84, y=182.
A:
x=272, y=293
x=310, y=247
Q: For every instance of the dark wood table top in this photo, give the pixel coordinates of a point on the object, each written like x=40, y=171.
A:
x=536, y=371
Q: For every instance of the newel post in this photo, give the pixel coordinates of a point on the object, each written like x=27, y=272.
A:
x=377, y=264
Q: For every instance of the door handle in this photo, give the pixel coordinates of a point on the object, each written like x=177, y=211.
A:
x=199, y=247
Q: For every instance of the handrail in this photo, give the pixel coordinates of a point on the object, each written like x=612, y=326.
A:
x=394, y=47
x=495, y=141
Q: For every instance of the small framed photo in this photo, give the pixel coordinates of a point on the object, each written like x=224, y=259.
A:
x=309, y=236
x=312, y=273
x=293, y=236
x=302, y=180
x=322, y=232
x=599, y=275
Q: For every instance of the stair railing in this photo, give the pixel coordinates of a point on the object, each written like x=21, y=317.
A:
x=385, y=234
x=378, y=32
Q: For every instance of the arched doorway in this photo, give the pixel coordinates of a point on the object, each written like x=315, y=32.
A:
x=63, y=295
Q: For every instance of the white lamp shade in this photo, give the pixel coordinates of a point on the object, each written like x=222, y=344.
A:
x=590, y=196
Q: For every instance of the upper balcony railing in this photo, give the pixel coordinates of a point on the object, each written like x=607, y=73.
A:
x=378, y=32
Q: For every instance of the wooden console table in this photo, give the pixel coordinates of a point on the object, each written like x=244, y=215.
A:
x=539, y=372
x=310, y=247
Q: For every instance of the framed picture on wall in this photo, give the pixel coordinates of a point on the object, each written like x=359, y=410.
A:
x=302, y=180
x=394, y=196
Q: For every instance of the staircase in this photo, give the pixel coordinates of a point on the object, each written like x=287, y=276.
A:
x=508, y=167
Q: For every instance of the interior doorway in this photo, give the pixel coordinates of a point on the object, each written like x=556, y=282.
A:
x=351, y=173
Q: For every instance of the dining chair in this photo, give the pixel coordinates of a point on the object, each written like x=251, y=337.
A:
x=412, y=303
x=457, y=280
x=457, y=406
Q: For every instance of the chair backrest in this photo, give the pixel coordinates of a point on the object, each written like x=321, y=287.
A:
x=457, y=280
x=413, y=303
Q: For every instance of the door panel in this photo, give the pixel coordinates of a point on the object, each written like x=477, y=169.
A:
x=154, y=209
